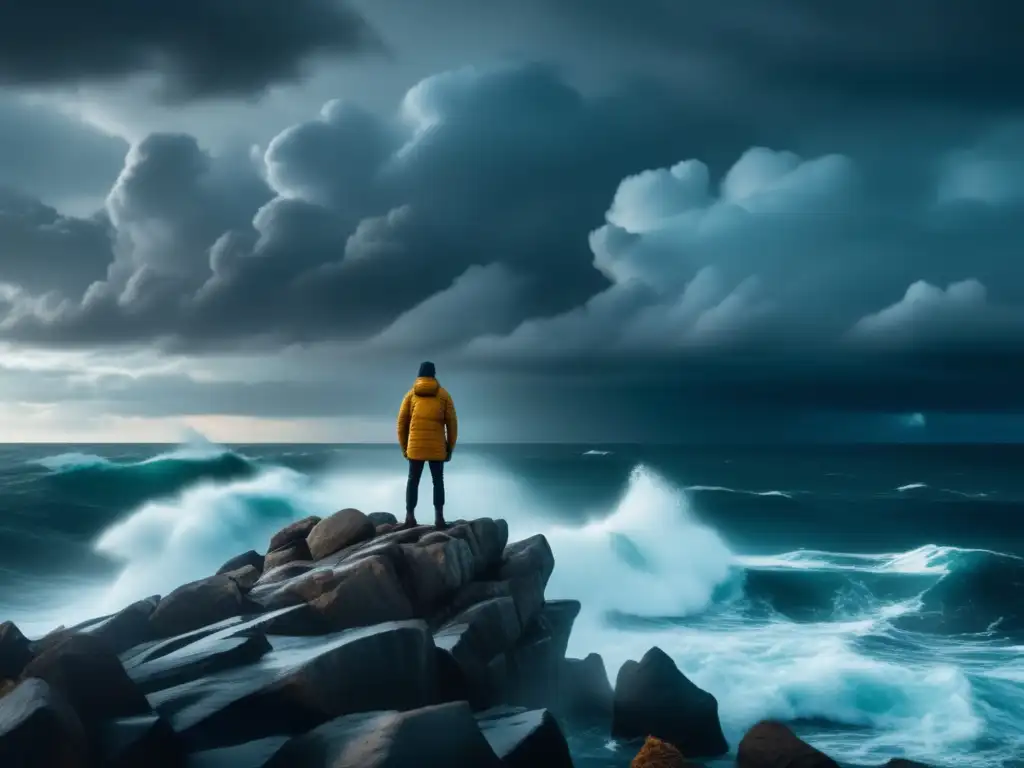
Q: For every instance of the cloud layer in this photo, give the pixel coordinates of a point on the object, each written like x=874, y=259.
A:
x=198, y=48
x=506, y=221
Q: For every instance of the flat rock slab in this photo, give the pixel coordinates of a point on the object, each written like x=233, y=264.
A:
x=304, y=682
x=199, y=660
x=145, y=740
x=252, y=754
x=525, y=739
x=442, y=736
x=38, y=729
x=157, y=648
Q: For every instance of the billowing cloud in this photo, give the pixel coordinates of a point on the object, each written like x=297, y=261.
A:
x=507, y=221
x=198, y=48
x=963, y=52
x=56, y=157
x=361, y=218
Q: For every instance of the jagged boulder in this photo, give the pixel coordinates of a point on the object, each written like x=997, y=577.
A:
x=197, y=604
x=87, y=674
x=486, y=538
x=382, y=518
x=292, y=552
x=38, y=729
x=251, y=754
x=585, y=693
x=528, y=557
x=15, y=650
x=198, y=660
x=525, y=739
x=293, y=532
x=653, y=698
x=127, y=628
x=656, y=753
x=436, y=572
x=340, y=530
x=252, y=557
x=367, y=592
x=440, y=735
x=769, y=745
x=144, y=740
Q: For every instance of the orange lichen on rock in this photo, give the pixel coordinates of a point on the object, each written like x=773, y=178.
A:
x=656, y=753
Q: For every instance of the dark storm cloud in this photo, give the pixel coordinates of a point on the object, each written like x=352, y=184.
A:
x=371, y=217
x=55, y=157
x=42, y=250
x=617, y=246
x=199, y=48
x=958, y=52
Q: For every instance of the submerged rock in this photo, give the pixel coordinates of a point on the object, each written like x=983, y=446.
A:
x=653, y=698
x=340, y=530
x=38, y=729
x=769, y=745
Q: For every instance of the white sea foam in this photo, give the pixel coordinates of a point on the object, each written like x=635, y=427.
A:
x=921, y=707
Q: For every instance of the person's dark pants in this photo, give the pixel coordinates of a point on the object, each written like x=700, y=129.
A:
x=412, y=487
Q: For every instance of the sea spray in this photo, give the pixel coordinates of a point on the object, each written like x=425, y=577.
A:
x=903, y=694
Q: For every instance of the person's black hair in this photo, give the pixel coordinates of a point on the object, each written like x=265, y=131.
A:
x=427, y=370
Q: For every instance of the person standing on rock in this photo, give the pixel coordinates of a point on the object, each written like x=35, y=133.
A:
x=427, y=431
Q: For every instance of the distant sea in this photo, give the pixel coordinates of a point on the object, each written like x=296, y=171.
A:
x=872, y=596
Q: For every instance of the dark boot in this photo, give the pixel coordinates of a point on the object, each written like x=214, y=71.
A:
x=439, y=522
x=410, y=520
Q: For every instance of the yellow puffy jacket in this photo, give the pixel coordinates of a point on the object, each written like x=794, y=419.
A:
x=427, y=425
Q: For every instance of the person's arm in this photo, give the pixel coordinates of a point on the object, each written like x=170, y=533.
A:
x=404, y=419
x=451, y=424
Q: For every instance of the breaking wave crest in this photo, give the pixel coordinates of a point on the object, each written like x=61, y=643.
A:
x=850, y=639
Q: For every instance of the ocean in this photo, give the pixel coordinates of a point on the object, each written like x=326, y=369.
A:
x=872, y=596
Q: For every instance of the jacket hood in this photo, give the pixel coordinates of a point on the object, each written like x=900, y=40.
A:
x=426, y=386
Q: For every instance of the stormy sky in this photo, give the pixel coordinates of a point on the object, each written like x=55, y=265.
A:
x=606, y=221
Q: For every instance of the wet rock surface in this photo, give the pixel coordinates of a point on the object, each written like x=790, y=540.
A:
x=653, y=698
x=374, y=646
x=769, y=744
